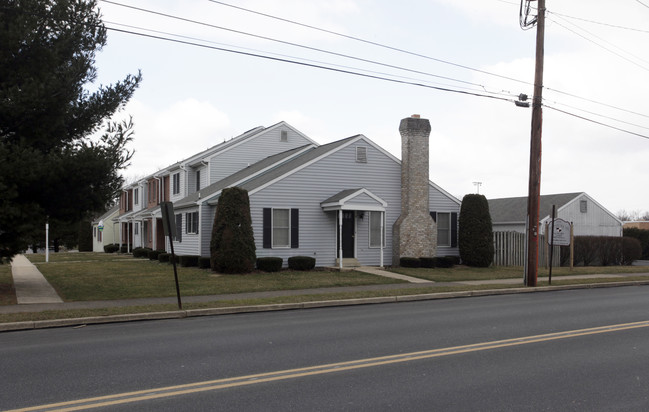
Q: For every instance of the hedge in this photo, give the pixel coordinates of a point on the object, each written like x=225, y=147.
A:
x=153, y=254
x=141, y=252
x=409, y=262
x=188, y=260
x=604, y=250
x=446, y=261
x=427, y=262
x=111, y=248
x=204, y=262
x=643, y=236
x=301, y=262
x=270, y=264
x=164, y=257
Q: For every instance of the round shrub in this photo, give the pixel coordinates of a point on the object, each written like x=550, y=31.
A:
x=188, y=261
x=631, y=250
x=111, y=248
x=301, y=262
x=141, y=252
x=164, y=257
x=427, y=262
x=123, y=249
x=204, y=262
x=445, y=261
x=153, y=254
x=270, y=264
x=409, y=262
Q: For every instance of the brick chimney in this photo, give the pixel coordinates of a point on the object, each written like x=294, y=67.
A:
x=414, y=232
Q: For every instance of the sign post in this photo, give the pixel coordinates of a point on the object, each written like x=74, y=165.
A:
x=167, y=209
x=560, y=235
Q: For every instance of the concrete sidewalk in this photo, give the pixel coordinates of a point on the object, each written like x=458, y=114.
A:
x=30, y=285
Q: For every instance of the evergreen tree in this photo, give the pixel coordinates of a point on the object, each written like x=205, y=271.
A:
x=233, y=244
x=475, y=232
x=51, y=166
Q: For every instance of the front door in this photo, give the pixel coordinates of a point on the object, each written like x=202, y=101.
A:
x=348, y=235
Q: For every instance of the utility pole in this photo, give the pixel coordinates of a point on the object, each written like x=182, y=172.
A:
x=534, y=191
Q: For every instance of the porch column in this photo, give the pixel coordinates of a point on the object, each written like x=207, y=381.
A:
x=154, y=241
x=381, y=255
x=340, y=239
x=129, y=233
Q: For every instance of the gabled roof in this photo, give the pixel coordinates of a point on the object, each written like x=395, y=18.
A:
x=237, y=178
x=354, y=199
x=281, y=170
x=105, y=216
x=514, y=209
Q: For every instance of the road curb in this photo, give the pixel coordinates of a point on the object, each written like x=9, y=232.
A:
x=179, y=314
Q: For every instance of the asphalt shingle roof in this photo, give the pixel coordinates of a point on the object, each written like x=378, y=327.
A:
x=514, y=209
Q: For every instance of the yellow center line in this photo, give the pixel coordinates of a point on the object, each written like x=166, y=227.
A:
x=177, y=390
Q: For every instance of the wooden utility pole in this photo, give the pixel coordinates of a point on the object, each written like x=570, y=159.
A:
x=534, y=192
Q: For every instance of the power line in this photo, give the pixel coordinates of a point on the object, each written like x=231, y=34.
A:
x=369, y=42
x=602, y=46
x=616, y=26
x=601, y=115
x=642, y=3
x=297, y=58
x=290, y=43
x=597, y=122
x=444, y=89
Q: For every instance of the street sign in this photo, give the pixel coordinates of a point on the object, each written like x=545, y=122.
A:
x=168, y=218
x=561, y=234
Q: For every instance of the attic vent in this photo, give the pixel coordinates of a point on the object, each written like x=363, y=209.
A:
x=284, y=136
x=361, y=154
x=583, y=206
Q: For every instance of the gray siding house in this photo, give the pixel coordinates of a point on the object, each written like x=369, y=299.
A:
x=588, y=216
x=302, y=198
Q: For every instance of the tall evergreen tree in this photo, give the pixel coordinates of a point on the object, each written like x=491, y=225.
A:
x=233, y=242
x=51, y=166
x=475, y=232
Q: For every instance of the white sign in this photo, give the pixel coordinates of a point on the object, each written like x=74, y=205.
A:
x=100, y=226
x=561, y=233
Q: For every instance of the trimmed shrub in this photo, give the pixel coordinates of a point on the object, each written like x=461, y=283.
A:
x=631, y=250
x=270, y=264
x=427, y=262
x=171, y=260
x=643, y=236
x=204, y=262
x=164, y=257
x=141, y=252
x=232, y=248
x=153, y=254
x=409, y=262
x=475, y=232
x=111, y=248
x=301, y=262
x=123, y=249
x=188, y=261
x=445, y=261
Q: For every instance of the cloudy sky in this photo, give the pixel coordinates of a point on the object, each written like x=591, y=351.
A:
x=204, y=91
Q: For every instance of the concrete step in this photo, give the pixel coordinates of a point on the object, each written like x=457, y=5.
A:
x=349, y=263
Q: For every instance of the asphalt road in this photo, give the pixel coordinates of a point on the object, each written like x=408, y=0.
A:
x=510, y=352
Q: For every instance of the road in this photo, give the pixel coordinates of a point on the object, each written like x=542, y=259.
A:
x=539, y=351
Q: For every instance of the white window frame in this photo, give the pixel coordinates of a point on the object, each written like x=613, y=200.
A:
x=447, y=229
x=369, y=229
x=136, y=196
x=288, y=228
x=191, y=223
x=136, y=229
x=175, y=183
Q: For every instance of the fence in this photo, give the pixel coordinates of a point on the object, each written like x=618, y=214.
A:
x=509, y=250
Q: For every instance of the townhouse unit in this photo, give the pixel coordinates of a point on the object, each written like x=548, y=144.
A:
x=342, y=199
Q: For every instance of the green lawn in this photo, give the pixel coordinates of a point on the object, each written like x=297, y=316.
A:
x=97, y=278
x=7, y=295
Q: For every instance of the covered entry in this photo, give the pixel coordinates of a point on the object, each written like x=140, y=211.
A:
x=348, y=204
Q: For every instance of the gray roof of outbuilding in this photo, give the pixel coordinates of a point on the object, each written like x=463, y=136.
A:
x=514, y=209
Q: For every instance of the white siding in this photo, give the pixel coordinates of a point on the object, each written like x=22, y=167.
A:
x=597, y=221
x=189, y=242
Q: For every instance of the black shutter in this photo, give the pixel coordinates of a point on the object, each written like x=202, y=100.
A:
x=454, y=229
x=434, y=216
x=267, y=225
x=295, y=228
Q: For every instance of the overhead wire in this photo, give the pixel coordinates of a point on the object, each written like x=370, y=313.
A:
x=289, y=43
x=185, y=42
x=373, y=43
x=597, y=122
x=351, y=72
